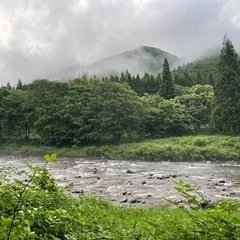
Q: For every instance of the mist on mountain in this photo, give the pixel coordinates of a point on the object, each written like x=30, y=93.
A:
x=138, y=61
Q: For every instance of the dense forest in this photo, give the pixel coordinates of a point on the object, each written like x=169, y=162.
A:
x=123, y=108
x=120, y=109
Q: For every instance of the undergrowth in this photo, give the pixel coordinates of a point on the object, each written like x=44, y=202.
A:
x=186, y=148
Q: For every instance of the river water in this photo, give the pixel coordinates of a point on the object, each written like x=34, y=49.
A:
x=138, y=182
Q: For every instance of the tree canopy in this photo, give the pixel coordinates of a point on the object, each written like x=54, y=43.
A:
x=226, y=103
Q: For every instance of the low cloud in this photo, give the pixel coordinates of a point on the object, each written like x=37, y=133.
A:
x=41, y=36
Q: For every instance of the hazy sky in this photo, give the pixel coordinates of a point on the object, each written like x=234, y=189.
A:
x=40, y=36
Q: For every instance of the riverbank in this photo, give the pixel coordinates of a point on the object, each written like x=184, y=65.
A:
x=48, y=211
x=186, y=148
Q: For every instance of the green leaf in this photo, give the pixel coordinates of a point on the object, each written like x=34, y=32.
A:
x=51, y=158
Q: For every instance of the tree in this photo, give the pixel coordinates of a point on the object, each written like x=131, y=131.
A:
x=44, y=110
x=13, y=115
x=226, y=102
x=167, y=88
x=19, y=85
x=113, y=111
x=197, y=102
x=165, y=117
x=228, y=56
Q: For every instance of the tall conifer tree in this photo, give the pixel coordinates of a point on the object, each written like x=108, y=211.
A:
x=167, y=87
x=226, y=103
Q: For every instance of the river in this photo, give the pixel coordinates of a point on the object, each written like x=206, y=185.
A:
x=138, y=182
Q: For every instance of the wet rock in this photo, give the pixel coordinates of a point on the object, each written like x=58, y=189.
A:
x=78, y=191
x=150, y=177
x=236, y=183
x=213, y=183
x=167, y=176
x=130, y=171
x=99, y=170
x=133, y=200
x=222, y=181
x=123, y=200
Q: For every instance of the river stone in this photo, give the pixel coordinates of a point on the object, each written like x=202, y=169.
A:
x=123, y=200
x=78, y=191
x=133, y=200
x=78, y=176
x=222, y=181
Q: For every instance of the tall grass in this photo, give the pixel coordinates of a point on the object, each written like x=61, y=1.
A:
x=187, y=148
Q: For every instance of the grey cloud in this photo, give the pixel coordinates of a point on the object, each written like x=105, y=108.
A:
x=45, y=36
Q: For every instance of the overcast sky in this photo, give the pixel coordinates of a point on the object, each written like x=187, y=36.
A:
x=41, y=36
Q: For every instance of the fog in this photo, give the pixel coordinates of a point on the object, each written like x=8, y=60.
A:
x=42, y=36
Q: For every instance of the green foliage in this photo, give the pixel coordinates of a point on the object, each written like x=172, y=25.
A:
x=165, y=117
x=218, y=220
x=226, y=101
x=201, y=71
x=104, y=111
x=191, y=198
x=51, y=158
x=167, y=87
x=197, y=102
x=186, y=148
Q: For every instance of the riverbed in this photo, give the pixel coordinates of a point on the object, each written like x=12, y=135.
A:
x=138, y=182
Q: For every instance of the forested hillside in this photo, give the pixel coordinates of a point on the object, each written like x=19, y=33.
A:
x=95, y=110
x=127, y=108
x=200, y=71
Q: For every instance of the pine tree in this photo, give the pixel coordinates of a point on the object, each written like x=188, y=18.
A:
x=19, y=85
x=167, y=86
x=226, y=103
x=9, y=87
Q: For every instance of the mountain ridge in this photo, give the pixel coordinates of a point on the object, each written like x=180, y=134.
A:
x=137, y=61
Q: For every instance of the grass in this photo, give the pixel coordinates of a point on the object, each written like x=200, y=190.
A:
x=187, y=148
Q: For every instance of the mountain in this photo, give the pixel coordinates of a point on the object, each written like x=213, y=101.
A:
x=138, y=61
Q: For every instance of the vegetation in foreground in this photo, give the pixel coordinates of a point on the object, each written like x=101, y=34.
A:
x=186, y=148
x=37, y=208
